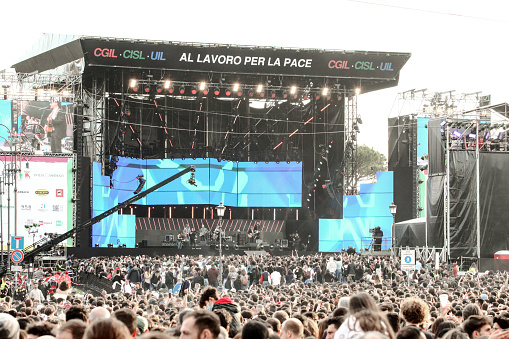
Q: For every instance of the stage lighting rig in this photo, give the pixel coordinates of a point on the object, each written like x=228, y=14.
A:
x=192, y=180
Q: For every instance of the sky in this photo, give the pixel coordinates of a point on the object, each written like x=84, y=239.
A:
x=455, y=44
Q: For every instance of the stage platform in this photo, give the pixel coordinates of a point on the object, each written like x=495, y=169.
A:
x=89, y=252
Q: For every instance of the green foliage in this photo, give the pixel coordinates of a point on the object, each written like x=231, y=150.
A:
x=369, y=162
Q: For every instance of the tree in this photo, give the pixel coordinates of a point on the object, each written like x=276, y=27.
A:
x=369, y=162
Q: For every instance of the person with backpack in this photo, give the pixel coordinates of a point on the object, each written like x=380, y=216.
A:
x=244, y=280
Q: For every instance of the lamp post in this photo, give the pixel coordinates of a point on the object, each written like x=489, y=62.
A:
x=393, y=208
x=220, y=213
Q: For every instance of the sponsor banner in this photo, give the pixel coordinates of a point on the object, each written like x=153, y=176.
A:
x=44, y=198
x=238, y=59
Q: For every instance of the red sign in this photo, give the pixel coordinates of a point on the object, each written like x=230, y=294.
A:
x=60, y=193
x=17, y=256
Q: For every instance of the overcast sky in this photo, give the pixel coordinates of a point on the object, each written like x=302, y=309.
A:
x=455, y=44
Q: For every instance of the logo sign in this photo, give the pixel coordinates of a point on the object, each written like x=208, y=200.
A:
x=17, y=243
x=17, y=256
x=15, y=268
x=60, y=193
x=42, y=192
x=408, y=260
x=59, y=223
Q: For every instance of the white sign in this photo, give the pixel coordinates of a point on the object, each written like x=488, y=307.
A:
x=16, y=268
x=408, y=260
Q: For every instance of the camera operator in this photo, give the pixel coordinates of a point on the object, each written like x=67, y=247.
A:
x=377, y=237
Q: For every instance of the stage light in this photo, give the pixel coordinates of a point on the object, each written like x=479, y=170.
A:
x=182, y=90
x=273, y=94
x=472, y=135
x=96, y=244
x=194, y=91
x=110, y=245
x=133, y=83
x=236, y=87
x=325, y=91
x=259, y=88
x=171, y=89
x=203, y=86
x=285, y=94
x=167, y=84
x=293, y=90
x=146, y=88
x=65, y=93
x=217, y=91
x=357, y=91
x=228, y=93
x=443, y=123
x=159, y=89
x=250, y=93
x=457, y=134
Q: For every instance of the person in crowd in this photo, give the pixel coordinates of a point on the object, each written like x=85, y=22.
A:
x=72, y=329
x=128, y=318
x=476, y=326
x=107, y=329
x=415, y=312
x=200, y=324
x=292, y=329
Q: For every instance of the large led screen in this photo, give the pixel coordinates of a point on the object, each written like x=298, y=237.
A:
x=240, y=184
x=41, y=125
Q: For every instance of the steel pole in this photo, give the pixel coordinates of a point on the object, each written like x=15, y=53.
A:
x=220, y=253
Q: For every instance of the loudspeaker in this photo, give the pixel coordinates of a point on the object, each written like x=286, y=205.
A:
x=143, y=244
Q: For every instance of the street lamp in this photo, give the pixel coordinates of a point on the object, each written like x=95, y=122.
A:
x=393, y=208
x=220, y=213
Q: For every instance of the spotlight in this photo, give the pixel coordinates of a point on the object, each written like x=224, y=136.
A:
x=146, y=88
x=325, y=91
x=167, y=84
x=217, y=91
x=110, y=245
x=271, y=247
x=96, y=244
x=124, y=245
x=227, y=247
x=217, y=246
x=457, y=134
x=194, y=91
x=250, y=93
x=182, y=90
x=159, y=89
x=133, y=83
x=228, y=93
x=65, y=93
x=273, y=94
x=236, y=87
x=293, y=90
x=259, y=88
x=171, y=89
x=357, y=91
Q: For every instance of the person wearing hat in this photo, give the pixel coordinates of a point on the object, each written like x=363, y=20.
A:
x=9, y=326
x=142, y=325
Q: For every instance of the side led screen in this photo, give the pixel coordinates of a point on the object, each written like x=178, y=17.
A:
x=361, y=213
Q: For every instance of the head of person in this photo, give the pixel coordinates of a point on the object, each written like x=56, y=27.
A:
x=361, y=301
x=98, y=313
x=128, y=318
x=76, y=312
x=39, y=329
x=471, y=309
x=9, y=326
x=107, y=329
x=255, y=329
x=476, y=326
x=72, y=329
x=444, y=327
x=368, y=320
x=63, y=286
x=292, y=329
x=456, y=333
x=200, y=324
x=208, y=297
x=333, y=325
x=414, y=310
x=501, y=322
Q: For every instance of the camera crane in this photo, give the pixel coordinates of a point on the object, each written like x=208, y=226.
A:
x=46, y=244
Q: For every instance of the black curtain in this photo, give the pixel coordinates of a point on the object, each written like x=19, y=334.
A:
x=436, y=148
x=435, y=210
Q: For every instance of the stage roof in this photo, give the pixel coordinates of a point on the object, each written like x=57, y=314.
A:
x=367, y=69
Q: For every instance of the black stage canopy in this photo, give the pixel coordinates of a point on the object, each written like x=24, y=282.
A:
x=371, y=70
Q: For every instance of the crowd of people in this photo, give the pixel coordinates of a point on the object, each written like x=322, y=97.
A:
x=340, y=296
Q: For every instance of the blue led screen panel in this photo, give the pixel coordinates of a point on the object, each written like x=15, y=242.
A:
x=116, y=229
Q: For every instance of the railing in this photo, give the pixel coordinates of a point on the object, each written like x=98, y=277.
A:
x=424, y=254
